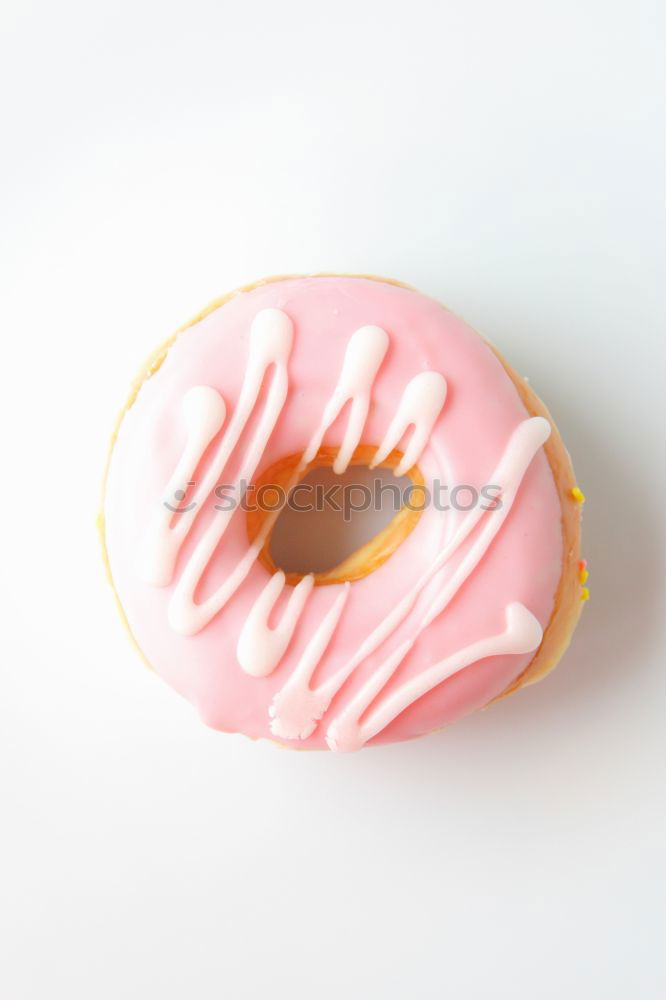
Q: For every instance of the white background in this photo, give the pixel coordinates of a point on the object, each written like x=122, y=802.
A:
x=507, y=158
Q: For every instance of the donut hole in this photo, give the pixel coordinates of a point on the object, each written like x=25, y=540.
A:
x=337, y=527
x=335, y=517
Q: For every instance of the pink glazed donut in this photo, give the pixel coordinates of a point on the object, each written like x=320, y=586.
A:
x=440, y=614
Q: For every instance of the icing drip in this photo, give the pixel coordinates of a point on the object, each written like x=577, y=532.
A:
x=349, y=731
x=260, y=648
x=421, y=404
x=271, y=338
x=204, y=413
x=270, y=345
x=365, y=353
x=296, y=709
x=523, y=445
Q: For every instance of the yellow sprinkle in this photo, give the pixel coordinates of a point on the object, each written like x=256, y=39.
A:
x=585, y=594
x=583, y=575
x=578, y=494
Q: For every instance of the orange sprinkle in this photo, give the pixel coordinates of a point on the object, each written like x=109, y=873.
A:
x=582, y=571
x=578, y=494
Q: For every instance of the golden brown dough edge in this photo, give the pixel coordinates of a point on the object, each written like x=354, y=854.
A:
x=567, y=606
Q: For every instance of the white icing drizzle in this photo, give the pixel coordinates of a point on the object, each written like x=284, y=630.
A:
x=271, y=337
x=204, y=412
x=260, y=648
x=296, y=709
x=525, y=442
x=365, y=353
x=349, y=731
x=523, y=445
x=270, y=345
x=421, y=404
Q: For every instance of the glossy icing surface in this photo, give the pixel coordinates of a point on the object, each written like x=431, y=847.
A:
x=438, y=630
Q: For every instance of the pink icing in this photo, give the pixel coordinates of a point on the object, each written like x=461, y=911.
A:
x=481, y=412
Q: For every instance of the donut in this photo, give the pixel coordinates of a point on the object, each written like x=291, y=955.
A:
x=449, y=607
